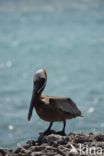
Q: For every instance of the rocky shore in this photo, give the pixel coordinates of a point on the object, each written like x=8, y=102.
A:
x=57, y=145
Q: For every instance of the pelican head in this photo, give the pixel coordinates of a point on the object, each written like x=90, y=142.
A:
x=39, y=80
x=39, y=83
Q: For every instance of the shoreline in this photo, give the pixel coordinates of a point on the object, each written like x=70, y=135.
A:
x=57, y=145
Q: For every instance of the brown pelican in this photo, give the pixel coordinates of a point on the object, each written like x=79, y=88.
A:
x=50, y=108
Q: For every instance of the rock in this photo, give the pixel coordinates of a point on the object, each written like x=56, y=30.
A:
x=57, y=145
x=99, y=137
x=36, y=153
x=31, y=143
x=81, y=139
x=2, y=152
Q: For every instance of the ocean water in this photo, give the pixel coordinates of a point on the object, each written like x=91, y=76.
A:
x=67, y=38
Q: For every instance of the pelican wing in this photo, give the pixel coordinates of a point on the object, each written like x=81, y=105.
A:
x=66, y=105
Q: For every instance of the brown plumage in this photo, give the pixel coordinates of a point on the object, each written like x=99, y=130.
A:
x=50, y=108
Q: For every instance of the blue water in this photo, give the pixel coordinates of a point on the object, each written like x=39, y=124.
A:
x=67, y=38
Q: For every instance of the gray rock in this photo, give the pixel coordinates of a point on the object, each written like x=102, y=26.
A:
x=57, y=145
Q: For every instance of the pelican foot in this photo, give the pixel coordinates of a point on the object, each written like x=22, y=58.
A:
x=61, y=133
x=48, y=132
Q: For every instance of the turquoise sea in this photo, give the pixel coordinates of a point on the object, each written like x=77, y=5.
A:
x=67, y=38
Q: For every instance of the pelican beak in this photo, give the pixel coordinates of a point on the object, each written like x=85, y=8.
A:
x=38, y=86
x=31, y=106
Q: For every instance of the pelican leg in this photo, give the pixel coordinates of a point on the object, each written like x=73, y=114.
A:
x=48, y=130
x=64, y=125
x=50, y=125
x=63, y=130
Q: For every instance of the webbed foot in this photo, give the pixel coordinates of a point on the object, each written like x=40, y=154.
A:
x=48, y=132
x=61, y=133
